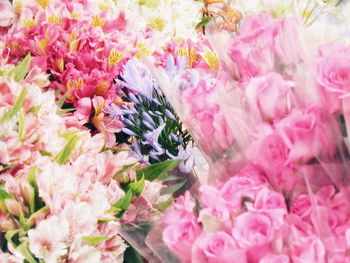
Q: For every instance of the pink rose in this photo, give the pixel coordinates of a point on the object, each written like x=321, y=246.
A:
x=237, y=188
x=306, y=135
x=310, y=249
x=272, y=203
x=287, y=41
x=271, y=154
x=332, y=74
x=301, y=206
x=253, y=229
x=180, y=237
x=275, y=259
x=268, y=199
x=217, y=247
x=206, y=119
x=183, y=207
x=267, y=96
x=252, y=50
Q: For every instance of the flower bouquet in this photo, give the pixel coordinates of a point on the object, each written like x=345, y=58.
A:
x=272, y=120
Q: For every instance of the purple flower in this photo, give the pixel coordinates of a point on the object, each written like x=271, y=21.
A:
x=151, y=138
x=114, y=111
x=137, y=79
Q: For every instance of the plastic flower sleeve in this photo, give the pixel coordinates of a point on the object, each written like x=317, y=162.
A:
x=196, y=102
x=286, y=198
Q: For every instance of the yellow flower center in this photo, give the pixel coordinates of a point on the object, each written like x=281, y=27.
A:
x=211, y=59
x=43, y=3
x=73, y=41
x=158, y=24
x=42, y=45
x=101, y=88
x=98, y=21
x=75, y=15
x=54, y=18
x=18, y=6
x=73, y=84
x=143, y=50
x=114, y=57
x=60, y=64
x=29, y=23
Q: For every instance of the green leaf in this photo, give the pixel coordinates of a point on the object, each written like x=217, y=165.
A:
x=21, y=125
x=57, y=92
x=105, y=149
x=15, y=108
x=45, y=153
x=106, y=220
x=8, y=166
x=164, y=205
x=171, y=178
x=157, y=170
x=205, y=20
x=22, y=68
x=137, y=187
x=61, y=101
x=23, y=248
x=3, y=196
x=123, y=203
x=63, y=111
x=68, y=135
x=132, y=256
x=197, y=207
x=126, y=169
x=12, y=237
x=66, y=153
x=95, y=240
x=172, y=188
x=32, y=219
x=35, y=109
x=37, y=202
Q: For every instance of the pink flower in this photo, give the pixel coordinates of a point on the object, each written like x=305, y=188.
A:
x=275, y=259
x=253, y=229
x=306, y=135
x=80, y=253
x=8, y=258
x=218, y=247
x=267, y=96
x=245, y=184
x=48, y=240
x=180, y=237
x=272, y=203
x=301, y=206
x=183, y=207
x=83, y=111
x=287, y=41
x=8, y=13
x=333, y=74
x=252, y=50
x=311, y=249
x=271, y=155
x=210, y=121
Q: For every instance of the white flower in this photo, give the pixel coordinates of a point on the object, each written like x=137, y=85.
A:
x=47, y=240
x=80, y=217
x=8, y=258
x=81, y=253
x=173, y=18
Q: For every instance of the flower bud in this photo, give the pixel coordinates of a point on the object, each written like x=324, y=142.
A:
x=13, y=207
x=8, y=224
x=27, y=191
